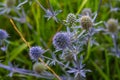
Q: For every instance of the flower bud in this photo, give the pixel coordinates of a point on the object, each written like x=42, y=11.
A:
x=39, y=67
x=71, y=18
x=112, y=25
x=86, y=22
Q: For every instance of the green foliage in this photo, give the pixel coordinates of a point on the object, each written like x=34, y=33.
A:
x=102, y=65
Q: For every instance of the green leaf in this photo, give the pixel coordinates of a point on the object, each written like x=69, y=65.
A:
x=17, y=51
x=100, y=71
x=82, y=5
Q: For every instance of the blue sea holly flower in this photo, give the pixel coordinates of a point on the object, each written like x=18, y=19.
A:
x=61, y=40
x=35, y=52
x=3, y=34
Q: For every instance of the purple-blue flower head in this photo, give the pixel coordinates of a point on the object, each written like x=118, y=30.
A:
x=35, y=52
x=3, y=34
x=61, y=40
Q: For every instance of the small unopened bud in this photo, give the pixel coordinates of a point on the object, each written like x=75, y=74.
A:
x=71, y=18
x=10, y=3
x=86, y=22
x=112, y=25
x=39, y=67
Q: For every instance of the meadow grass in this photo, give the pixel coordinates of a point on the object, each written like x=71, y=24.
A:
x=97, y=59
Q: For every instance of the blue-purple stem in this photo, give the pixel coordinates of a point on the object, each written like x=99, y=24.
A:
x=114, y=37
x=21, y=71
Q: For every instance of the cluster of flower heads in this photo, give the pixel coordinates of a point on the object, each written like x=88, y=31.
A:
x=85, y=19
x=35, y=53
x=69, y=42
x=62, y=40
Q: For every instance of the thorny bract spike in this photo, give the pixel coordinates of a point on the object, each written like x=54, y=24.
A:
x=50, y=13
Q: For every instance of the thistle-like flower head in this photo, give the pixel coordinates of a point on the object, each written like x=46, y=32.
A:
x=71, y=18
x=112, y=25
x=35, y=52
x=61, y=40
x=86, y=22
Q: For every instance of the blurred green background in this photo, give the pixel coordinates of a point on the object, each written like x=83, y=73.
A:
x=103, y=65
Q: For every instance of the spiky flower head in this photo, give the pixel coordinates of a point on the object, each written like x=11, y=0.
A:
x=3, y=34
x=35, y=52
x=112, y=25
x=87, y=12
x=86, y=22
x=39, y=67
x=61, y=40
x=10, y=3
x=71, y=18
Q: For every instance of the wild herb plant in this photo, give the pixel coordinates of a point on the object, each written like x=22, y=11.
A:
x=71, y=49
x=112, y=29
